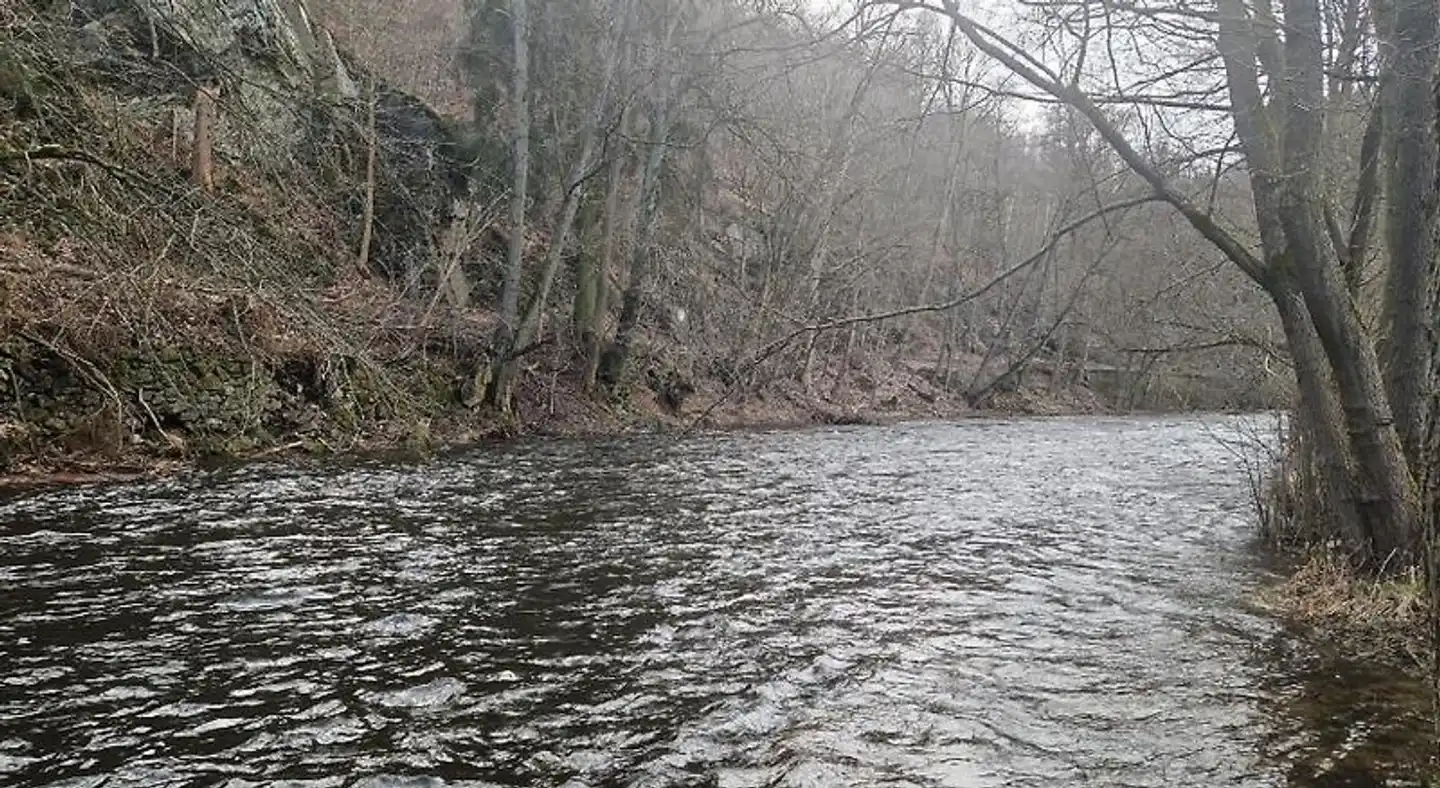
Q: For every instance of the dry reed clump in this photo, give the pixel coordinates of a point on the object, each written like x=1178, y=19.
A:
x=1385, y=619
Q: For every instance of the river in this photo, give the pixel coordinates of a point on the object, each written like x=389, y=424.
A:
x=992, y=603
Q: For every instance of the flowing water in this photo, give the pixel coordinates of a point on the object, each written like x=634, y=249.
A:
x=1046, y=603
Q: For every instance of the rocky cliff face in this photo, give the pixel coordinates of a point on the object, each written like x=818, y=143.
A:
x=238, y=33
x=138, y=314
x=289, y=103
x=257, y=38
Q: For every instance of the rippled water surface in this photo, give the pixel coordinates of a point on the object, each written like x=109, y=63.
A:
x=987, y=604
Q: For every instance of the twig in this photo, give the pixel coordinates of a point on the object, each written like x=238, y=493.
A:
x=944, y=306
x=62, y=153
x=176, y=442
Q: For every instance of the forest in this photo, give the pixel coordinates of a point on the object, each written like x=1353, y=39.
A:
x=985, y=192
x=257, y=233
x=264, y=225
x=822, y=198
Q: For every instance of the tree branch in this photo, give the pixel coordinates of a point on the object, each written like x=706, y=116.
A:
x=1003, y=51
x=1060, y=233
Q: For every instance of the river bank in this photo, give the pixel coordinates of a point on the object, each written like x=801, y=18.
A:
x=79, y=425
x=1368, y=620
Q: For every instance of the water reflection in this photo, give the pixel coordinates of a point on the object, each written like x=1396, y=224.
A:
x=1341, y=723
x=1034, y=603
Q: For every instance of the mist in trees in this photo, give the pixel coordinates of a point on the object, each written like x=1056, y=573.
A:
x=760, y=184
x=816, y=198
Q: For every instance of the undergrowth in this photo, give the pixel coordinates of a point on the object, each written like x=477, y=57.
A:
x=1381, y=619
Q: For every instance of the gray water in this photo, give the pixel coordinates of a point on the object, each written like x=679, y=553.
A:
x=1052, y=602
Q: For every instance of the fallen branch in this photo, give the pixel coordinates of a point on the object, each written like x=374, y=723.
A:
x=281, y=449
x=175, y=442
x=21, y=269
x=531, y=348
x=83, y=366
x=62, y=153
x=1197, y=347
x=943, y=306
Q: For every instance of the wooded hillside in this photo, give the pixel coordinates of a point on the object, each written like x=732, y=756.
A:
x=226, y=229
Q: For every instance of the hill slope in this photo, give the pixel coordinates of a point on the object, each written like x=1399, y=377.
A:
x=155, y=307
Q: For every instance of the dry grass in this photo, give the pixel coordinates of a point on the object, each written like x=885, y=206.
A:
x=1383, y=619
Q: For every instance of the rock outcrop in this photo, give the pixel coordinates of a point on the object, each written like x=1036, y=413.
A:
x=119, y=324
x=289, y=104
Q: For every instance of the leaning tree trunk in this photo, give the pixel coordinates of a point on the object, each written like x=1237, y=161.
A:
x=617, y=355
x=1393, y=500
x=1322, y=422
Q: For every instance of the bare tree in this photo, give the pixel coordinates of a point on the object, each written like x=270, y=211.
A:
x=574, y=193
x=496, y=390
x=1274, y=79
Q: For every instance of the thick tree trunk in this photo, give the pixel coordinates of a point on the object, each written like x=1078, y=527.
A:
x=1321, y=420
x=1408, y=106
x=1392, y=501
x=617, y=355
x=592, y=329
x=498, y=396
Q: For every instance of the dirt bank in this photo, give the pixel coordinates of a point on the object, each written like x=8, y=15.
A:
x=129, y=414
